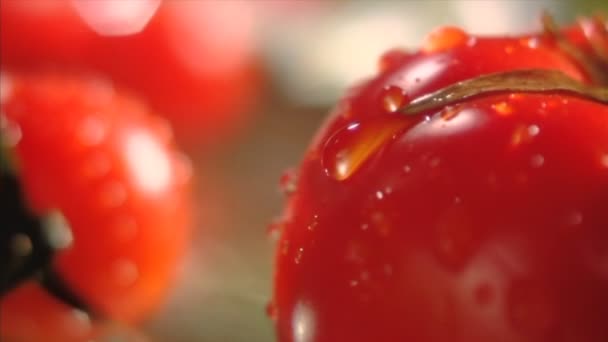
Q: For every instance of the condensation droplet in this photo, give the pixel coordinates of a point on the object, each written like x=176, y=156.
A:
x=533, y=130
x=523, y=134
x=347, y=150
x=125, y=272
x=434, y=162
x=379, y=195
x=575, y=218
x=274, y=229
x=393, y=98
x=537, y=160
x=288, y=181
x=299, y=254
x=407, y=169
x=284, y=247
x=449, y=112
x=509, y=49
x=443, y=39
x=604, y=160
x=91, y=131
x=112, y=195
x=364, y=226
x=313, y=225
x=502, y=108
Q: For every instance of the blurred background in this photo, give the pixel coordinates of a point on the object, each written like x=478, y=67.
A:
x=265, y=75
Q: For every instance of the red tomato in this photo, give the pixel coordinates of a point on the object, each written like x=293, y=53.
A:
x=85, y=150
x=193, y=60
x=479, y=221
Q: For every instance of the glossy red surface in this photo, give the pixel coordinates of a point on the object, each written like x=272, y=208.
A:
x=481, y=221
x=87, y=151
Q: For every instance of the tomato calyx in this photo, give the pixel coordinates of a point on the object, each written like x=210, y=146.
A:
x=594, y=64
x=517, y=81
x=26, y=250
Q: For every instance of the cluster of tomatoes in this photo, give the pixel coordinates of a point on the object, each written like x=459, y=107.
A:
x=95, y=204
x=459, y=195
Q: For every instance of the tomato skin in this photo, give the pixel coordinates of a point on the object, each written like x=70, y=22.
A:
x=202, y=74
x=97, y=156
x=482, y=221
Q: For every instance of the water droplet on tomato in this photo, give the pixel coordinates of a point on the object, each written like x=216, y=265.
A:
x=91, y=131
x=288, y=181
x=443, y=39
x=347, y=150
x=533, y=130
x=604, y=160
x=449, y=112
x=274, y=229
x=407, y=169
x=77, y=322
x=125, y=272
x=299, y=254
x=509, y=49
x=575, y=218
x=393, y=99
x=285, y=247
x=313, y=225
x=502, y=108
x=537, y=160
x=379, y=195
x=434, y=162
x=523, y=134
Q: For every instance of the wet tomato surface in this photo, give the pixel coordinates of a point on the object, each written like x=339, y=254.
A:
x=480, y=220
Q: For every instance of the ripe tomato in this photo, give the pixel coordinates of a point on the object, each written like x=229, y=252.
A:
x=481, y=220
x=193, y=61
x=83, y=151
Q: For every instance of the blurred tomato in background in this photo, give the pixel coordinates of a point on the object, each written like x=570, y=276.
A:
x=193, y=61
x=245, y=84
